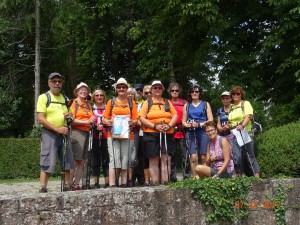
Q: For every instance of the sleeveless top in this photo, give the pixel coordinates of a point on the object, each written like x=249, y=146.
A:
x=198, y=113
x=216, y=149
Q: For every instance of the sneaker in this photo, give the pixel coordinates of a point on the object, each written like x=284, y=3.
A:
x=123, y=185
x=43, y=190
x=96, y=186
x=130, y=183
x=173, y=179
x=146, y=184
x=76, y=187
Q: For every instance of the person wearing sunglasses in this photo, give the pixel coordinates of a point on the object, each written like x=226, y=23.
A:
x=196, y=113
x=118, y=111
x=100, y=149
x=53, y=116
x=158, y=117
x=174, y=91
x=240, y=118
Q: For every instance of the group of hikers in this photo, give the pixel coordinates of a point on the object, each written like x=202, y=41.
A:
x=135, y=137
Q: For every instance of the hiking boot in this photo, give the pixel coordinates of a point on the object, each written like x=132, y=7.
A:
x=173, y=179
x=43, y=190
x=106, y=185
x=123, y=185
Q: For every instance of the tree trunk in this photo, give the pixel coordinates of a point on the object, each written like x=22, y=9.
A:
x=37, y=58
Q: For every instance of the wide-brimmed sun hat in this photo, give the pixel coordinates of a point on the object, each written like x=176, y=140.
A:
x=121, y=81
x=80, y=86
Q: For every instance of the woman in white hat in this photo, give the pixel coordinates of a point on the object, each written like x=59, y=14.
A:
x=83, y=118
x=119, y=109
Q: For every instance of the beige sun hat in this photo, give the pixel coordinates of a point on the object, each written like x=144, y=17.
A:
x=80, y=86
x=121, y=81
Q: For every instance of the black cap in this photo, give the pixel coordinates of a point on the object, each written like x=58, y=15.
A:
x=138, y=86
x=54, y=74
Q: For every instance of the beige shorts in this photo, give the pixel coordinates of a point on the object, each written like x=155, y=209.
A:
x=118, y=150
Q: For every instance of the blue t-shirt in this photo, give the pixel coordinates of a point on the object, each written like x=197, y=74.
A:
x=198, y=114
x=223, y=119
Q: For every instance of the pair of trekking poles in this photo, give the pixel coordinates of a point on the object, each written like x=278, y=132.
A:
x=161, y=149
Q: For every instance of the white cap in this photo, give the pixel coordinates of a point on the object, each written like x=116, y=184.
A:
x=121, y=81
x=156, y=82
x=80, y=86
x=225, y=93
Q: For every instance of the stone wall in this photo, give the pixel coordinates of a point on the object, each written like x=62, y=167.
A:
x=143, y=205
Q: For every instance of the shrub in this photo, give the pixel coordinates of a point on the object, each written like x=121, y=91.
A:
x=279, y=151
x=19, y=158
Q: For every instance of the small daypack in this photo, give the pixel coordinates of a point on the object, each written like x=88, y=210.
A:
x=256, y=126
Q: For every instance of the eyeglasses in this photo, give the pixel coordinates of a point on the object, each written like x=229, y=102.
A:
x=192, y=92
x=56, y=81
x=157, y=88
x=224, y=98
x=122, y=87
x=99, y=95
x=174, y=90
x=147, y=93
x=238, y=94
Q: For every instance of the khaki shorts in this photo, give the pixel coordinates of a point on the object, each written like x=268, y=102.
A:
x=80, y=144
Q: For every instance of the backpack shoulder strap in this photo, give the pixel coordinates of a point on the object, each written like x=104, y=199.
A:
x=48, y=99
x=205, y=108
x=220, y=141
x=167, y=105
x=130, y=105
x=242, y=106
x=112, y=104
x=150, y=103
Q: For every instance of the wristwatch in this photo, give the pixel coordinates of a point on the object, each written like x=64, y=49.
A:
x=155, y=125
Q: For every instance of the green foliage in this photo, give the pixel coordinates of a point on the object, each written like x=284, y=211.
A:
x=220, y=195
x=19, y=158
x=279, y=151
x=279, y=198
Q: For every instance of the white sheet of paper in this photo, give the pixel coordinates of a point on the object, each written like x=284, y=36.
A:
x=241, y=137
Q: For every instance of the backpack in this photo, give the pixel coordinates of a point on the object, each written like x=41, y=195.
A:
x=256, y=126
x=77, y=106
x=166, y=105
x=49, y=100
x=113, y=101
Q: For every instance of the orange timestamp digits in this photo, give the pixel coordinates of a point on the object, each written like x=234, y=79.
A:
x=254, y=204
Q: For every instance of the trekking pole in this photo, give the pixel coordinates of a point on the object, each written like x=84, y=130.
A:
x=247, y=154
x=88, y=164
x=166, y=147
x=160, y=151
x=62, y=174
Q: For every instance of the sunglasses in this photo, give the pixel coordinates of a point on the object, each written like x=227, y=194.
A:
x=56, y=81
x=147, y=93
x=194, y=92
x=99, y=95
x=174, y=90
x=157, y=88
x=238, y=94
x=225, y=98
x=122, y=87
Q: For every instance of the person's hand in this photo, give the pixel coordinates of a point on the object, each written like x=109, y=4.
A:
x=239, y=127
x=131, y=123
x=62, y=130
x=100, y=126
x=109, y=123
x=68, y=115
x=216, y=176
x=92, y=120
x=166, y=127
x=212, y=158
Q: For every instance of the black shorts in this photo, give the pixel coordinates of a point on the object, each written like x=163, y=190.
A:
x=152, y=142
